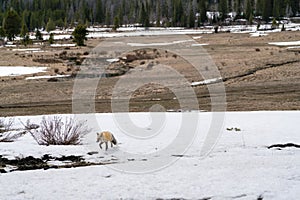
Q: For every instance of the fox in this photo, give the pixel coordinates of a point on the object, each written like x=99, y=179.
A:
x=105, y=137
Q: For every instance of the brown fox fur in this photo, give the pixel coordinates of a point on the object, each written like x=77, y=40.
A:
x=105, y=137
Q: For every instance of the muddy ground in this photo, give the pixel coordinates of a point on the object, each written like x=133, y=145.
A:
x=256, y=75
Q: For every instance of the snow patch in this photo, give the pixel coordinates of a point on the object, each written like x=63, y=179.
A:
x=158, y=44
x=197, y=45
x=258, y=34
x=208, y=81
x=63, y=45
x=113, y=60
x=20, y=70
x=43, y=77
x=291, y=43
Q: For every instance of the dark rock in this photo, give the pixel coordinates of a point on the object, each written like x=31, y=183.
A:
x=52, y=80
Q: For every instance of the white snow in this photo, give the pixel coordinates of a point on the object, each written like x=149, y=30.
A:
x=158, y=44
x=28, y=49
x=197, y=45
x=294, y=47
x=58, y=37
x=43, y=77
x=258, y=34
x=113, y=60
x=197, y=37
x=239, y=167
x=63, y=45
x=146, y=33
x=291, y=43
x=208, y=81
x=20, y=70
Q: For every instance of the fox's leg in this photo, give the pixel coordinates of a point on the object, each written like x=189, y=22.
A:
x=106, y=145
x=111, y=144
x=100, y=145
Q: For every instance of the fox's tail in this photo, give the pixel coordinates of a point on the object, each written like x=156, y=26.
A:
x=114, y=141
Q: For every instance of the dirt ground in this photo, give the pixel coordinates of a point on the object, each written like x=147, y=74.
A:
x=256, y=76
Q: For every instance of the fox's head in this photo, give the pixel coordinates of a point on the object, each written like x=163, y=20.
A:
x=98, y=137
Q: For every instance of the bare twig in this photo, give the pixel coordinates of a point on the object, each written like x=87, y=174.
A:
x=7, y=133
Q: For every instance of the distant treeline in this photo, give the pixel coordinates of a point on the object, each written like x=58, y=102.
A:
x=185, y=13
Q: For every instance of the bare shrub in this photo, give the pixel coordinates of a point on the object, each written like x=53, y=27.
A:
x=7, y=133
x=6, y=126
x=56, y=131
x=11, y=136
x=29, y=125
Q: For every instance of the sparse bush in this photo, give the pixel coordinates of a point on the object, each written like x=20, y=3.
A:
x=56, y=131
x=7, y=133
x=29, y=126
x=6, y=126
x=11, y=136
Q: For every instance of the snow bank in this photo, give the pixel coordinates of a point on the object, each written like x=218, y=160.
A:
x=19, y=70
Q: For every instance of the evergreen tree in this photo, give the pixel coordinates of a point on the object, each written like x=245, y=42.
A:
x=51, y=38
x=237, y=7
x=37, y=13
x=259, y=6
x=202, y=9
x=276, y=9
x=2, y=32
x=26, y=40
x=80, y=34
x=107, y=17
x=24, y=30
x=50, y=25
x=249, y=10
x=116, y=23
x=178, y=15
x=251, y=19
x=223, y=8
x=158, y=14
x=12, y=24
x=38, y=35
x=144, y=16
x=266, y=12
x=274, y=24
x=191, y=17
x=99, y=15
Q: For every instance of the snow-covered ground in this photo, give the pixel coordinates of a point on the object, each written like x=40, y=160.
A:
x=20, y=70
x=239, y=167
